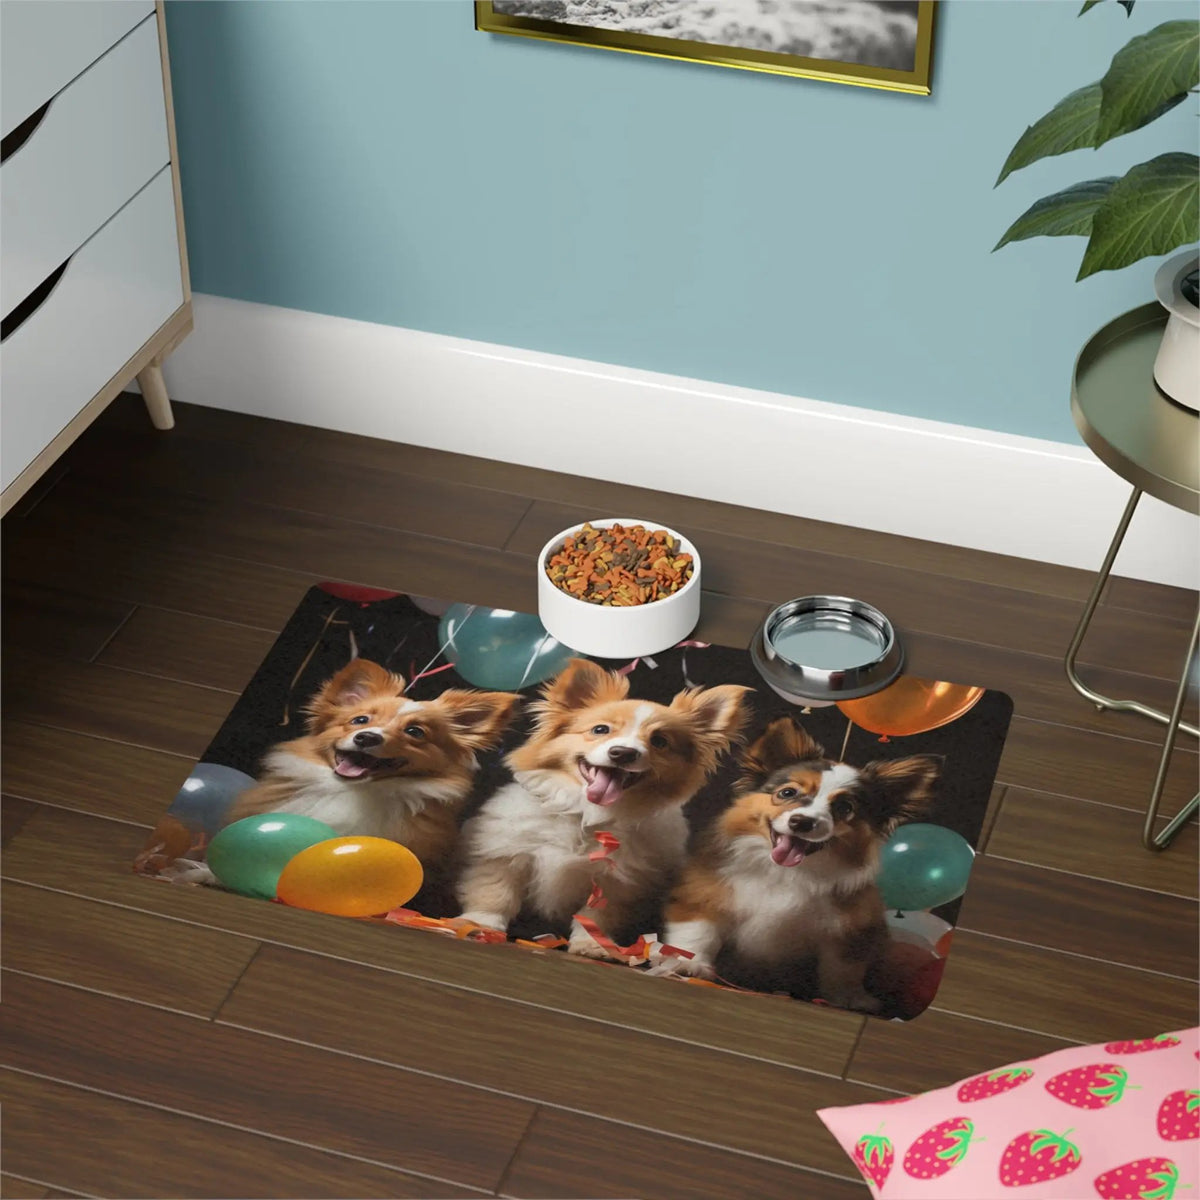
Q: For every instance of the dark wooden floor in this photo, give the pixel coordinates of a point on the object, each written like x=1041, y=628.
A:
x=165, y=1041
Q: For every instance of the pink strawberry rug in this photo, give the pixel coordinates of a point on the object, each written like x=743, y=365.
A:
x=1118, y=1121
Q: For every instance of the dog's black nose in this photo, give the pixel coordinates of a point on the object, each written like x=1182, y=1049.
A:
x=799, y=824
x=367, y=738
x=622, y=756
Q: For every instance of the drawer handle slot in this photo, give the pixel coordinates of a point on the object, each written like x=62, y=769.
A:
x=40, y=294
x=23, y=132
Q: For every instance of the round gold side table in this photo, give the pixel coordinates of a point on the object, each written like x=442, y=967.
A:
x=1155, y=445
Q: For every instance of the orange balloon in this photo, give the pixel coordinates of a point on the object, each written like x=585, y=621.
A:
x=911, y=705
x=351, y=877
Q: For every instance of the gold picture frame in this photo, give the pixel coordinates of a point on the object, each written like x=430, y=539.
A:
x=914, y=80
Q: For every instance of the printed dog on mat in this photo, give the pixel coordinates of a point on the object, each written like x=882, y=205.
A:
x=596, y=760
x=377, y=763
x=786, y=874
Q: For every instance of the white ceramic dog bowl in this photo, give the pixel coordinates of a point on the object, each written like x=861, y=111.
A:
x=604, y=632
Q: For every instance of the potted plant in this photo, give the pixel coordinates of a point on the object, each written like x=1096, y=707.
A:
x=1153, y=208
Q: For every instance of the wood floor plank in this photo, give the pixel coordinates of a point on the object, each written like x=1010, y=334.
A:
x=614, y=1073
x=1092, y=839
x=1038, y=684
x=119, y=951
x=1128, y=925
x=294, y=541
x=58, y=623
x=162, y=574
x=307, y=480
x=940, y=1048
x=14, y=812
x=120, y=1148
x=302, y=1093
x=914, y=600
x=192, y=649
x=159, y=714
x=91, y=774
x=88, y=857
x=12, y=1188
x=1153, y=598
x=1091, y=766
x=1046, y=991
x=623, y=1162
x=602, y=496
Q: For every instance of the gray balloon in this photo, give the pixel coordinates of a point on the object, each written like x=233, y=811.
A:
x=206, y=795
x=431, y=605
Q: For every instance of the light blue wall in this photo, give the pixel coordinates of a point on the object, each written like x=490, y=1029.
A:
x=386, y=162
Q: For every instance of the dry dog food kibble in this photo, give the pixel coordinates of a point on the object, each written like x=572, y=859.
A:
x=620, y=566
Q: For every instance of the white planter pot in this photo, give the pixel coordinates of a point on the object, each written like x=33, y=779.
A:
x=1177, y=367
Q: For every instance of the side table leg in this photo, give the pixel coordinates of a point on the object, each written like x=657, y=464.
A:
x=154, y=392
x=1093, y=600
x=1162, y=840
x=1098, y=699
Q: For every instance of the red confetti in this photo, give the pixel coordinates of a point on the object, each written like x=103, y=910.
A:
x=609, y=844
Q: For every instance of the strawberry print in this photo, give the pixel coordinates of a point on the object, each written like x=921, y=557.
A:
x=873, y=1156
x=983, y=1086
x=1163, y=1042
x=1142, y=1179
x=940, y=1148
x=1096, y=1086
x=1036, y=1156
x=1179, y=1116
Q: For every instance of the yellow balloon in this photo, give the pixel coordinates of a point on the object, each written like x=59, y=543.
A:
x=351, y=877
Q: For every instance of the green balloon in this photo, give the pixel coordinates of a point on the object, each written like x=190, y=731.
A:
x=249, y=855
x=497, y=648
x=922, y=866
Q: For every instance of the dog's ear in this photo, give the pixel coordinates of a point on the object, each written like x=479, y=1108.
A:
x=581, y=683
x=478, y=719
x=906, y=786
x=783, y=742
x=352, y=685
x=717, y=714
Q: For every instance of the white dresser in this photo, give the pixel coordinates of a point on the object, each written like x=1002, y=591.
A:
x=93, y=266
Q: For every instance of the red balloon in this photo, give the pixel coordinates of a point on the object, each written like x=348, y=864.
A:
x=907, y=980
x=353, y=591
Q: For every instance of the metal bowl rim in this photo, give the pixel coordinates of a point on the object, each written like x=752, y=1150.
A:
x=816, y=683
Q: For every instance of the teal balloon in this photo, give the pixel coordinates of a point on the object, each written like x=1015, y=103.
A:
x=922, y=866
x=249, y=855
x=497, y=648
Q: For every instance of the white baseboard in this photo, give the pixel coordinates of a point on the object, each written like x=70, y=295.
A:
x=926, y=479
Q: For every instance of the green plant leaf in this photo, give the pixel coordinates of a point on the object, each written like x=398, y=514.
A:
x=1070, y=125
x=1152, y=209
x=1148, y=76
x=1064, y=213
x=1127, y=5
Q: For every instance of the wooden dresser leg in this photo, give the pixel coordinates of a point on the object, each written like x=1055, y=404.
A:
x=154, y=392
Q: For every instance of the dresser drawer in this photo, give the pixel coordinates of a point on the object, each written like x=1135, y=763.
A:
x=116, y=292
x=101, y=139
x=44, y=45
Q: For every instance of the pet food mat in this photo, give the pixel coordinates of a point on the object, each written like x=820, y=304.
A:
x=437, y=646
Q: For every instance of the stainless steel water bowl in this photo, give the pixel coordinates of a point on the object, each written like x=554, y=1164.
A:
x=821, y=649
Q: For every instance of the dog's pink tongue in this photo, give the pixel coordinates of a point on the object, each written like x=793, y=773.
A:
x=788, y=851
x=349, y=768
x=604, y=787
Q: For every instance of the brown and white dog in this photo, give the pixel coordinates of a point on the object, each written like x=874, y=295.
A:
x=596, y=760
x=786, y=874
x=377, y=763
